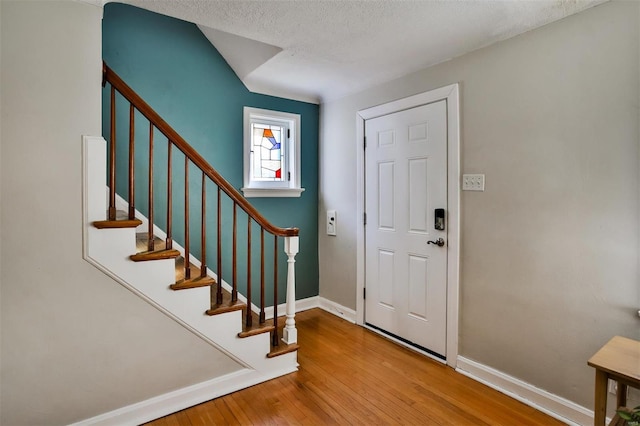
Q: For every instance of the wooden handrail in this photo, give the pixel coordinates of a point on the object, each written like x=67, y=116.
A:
x=127, y=92
x=217, y=303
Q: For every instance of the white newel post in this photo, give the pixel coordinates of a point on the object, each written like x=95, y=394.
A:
x=291, y=246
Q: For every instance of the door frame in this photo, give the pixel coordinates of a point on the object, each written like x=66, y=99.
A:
x=450, y=94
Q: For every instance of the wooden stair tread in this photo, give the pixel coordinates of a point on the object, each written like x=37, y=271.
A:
x=196, y=282
x=118, y=223
x=255, y=327
x=196, y=279
x=224, y=308
x=227, y=304
x=155, y=255
x=159, y=251
x=142, y=239
x=282, y=349
x=195, y=271
x=121, y=221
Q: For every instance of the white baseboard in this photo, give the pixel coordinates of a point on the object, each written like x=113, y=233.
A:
x=301, y=305
x=180, y=399
x=553, y=405
x=316, y=302
x=337, y=309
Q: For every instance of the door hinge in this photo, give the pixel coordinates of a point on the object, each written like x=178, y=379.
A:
x=288, y=133
x=364, y=144
x=364, y=293
x=364, y=218
x=289, y=176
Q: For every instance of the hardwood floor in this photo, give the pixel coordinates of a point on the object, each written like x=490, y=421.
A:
x=349, y=375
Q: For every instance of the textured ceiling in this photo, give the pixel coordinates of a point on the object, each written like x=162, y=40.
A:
x=319, y=50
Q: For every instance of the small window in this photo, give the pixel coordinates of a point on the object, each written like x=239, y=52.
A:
x=271, y=154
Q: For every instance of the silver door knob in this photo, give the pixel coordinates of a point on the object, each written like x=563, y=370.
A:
x=439, y=242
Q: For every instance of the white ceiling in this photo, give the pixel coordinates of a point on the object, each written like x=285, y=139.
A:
x=320, y=50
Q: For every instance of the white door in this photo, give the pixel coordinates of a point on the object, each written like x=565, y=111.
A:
x=405, y=181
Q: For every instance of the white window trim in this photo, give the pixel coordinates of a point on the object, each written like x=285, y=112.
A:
x=251, y=189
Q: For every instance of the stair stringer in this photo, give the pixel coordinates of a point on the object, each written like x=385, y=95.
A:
x=109, y=250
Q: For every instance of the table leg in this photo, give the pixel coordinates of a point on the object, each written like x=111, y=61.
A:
x=600, y=402
x=621, y=396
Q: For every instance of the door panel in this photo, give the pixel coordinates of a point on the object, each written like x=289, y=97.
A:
x=386, y=188
x=418, y=199
x=405, y=180
x=417, y=289
x=386, y=262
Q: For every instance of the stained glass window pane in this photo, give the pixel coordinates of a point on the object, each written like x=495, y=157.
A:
x=257, y=136
x=267, y=152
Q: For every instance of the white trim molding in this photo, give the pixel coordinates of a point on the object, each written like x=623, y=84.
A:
x=159, y=406
x=272, y=192
x=337, y=309
x=301, y=305
x=451, y=95
x=291, y=186
x=551, y=404
x=162, y=405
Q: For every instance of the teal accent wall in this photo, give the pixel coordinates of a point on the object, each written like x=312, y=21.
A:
x=177, y=71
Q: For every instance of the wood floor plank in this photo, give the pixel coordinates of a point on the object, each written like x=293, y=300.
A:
x=349, y=375
x=182, y=418
x=307, y=411
x=365, y=393
x=206, y=414
x=223, y=408
x=296, y=411
x=238, y=410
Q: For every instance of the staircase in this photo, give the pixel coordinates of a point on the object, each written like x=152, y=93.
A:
x=174, y=277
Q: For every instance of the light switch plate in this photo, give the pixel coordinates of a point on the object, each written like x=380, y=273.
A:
x=473, y=182
x=331, y=222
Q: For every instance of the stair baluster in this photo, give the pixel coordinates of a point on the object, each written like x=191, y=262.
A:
x=262, y=316
x=217, y=297
x=275, y=340
x=169, y=239
x=248, y=319
x=187, y=253
x=290, y=334
x=219, y=272
x=112, y=158
x=234, y=275
x=203, y=230
x=132, y=208
x=150, y=241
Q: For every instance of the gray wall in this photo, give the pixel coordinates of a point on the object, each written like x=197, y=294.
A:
x=549, y=255
x=75, y=344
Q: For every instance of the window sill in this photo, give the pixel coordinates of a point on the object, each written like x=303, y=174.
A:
x=272, y=192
